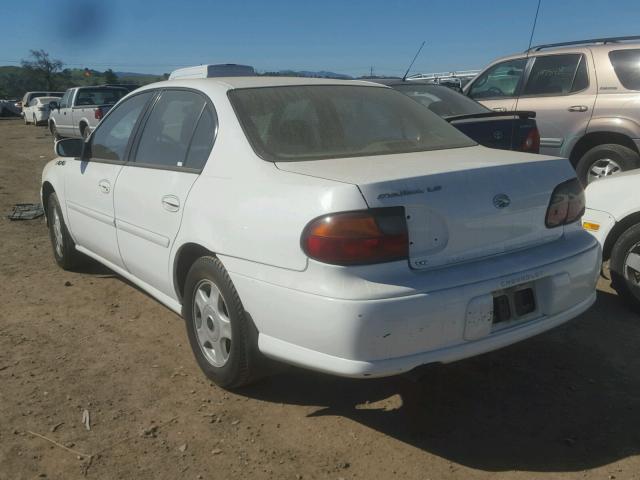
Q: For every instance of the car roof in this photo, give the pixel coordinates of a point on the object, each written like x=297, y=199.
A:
x=231, y=83
x=581, y=48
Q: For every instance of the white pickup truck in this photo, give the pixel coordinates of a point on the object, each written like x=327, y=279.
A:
x=80, y=109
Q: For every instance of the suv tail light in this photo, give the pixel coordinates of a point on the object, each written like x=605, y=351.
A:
x=531, y=143
x=356, y=238
x=567, y=204
x=97, y=112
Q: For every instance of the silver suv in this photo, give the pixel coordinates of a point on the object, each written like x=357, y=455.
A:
x=586, y=95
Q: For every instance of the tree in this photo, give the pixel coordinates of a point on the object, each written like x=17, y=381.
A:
x=110, y=77
x=43, y=67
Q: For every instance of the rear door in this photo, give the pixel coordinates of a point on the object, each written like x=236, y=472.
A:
x=498, y=87
x=562, y=90
x=152, y=189
x=89, y=184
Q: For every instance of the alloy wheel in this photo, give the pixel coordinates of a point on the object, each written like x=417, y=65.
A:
x=212, y=323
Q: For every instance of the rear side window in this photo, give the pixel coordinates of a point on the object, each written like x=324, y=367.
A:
x=202, y=140
x=626, y=64
x=554, y=75
x=500, y=81
x=169, y=129
x=110, y=140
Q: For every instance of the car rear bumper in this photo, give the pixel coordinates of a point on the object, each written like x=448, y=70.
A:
x=387, y=336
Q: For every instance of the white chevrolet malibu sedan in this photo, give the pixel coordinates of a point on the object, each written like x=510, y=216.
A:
x=335, y=225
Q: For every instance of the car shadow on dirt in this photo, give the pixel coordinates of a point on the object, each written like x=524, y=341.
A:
x=567, y=400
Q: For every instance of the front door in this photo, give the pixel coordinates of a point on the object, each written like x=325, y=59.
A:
x=89, y=185
x=152, y=189
x=64, y=122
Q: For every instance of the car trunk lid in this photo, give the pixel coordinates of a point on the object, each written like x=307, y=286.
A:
x=461, y=204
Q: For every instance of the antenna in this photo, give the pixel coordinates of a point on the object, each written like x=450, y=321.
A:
x=533, y=29
x=411, y=64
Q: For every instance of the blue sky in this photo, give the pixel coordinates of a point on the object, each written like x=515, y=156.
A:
x=341, y=36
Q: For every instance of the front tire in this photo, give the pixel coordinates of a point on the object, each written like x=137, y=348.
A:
x=625, y=267
x=605, y=160
x=85, y=132
x=222, y=336
x=54, y=131
x=64, y=248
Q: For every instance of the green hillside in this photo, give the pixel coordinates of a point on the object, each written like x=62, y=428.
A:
x=15, y=81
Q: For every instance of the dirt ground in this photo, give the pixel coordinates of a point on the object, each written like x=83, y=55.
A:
x=565, y=404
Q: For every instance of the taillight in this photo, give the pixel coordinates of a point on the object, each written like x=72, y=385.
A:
x=567, y=204
x=531, y=143
x=355, y=238
x=97, y=112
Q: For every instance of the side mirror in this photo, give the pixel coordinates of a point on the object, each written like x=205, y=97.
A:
x=69, y=147
x=54, y=105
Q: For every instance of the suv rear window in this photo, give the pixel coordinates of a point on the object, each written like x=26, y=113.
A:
x=626, y=63
x=312, y=122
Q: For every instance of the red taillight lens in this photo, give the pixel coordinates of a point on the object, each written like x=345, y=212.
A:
x=98, y=113
x=567, y=204
x=356, y=238
x=531, y=144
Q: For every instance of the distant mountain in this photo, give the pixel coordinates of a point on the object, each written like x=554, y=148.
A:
x=307, y=73
x=134, y=74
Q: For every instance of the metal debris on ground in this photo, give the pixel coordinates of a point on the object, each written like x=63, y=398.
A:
x=86, y=420
x=26, y=211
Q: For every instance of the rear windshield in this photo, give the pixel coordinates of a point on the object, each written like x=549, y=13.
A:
x=99, y=96
x=626, y=63
x=441, y=100
x=293, y=123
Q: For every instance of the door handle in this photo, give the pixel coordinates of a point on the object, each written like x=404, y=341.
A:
x=171, y=203
x=499, y=109
x=578, y=108
x=104, y=186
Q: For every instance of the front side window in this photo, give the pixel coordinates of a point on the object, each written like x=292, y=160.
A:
x=110, y=139
x=499, y=81
x=169, y=128
x=311, y=122
x=626, y=64
x=64, y=101
x=555, y=75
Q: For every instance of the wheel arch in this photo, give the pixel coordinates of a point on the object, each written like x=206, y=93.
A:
x=593, y=139
x=46, y=191
x=618, y=229
x=184, y=258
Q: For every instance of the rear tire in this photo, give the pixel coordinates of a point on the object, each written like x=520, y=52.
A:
x=85, y=131
x=64, y=248
x=222, y=337
x=605, y=160
x=625, y=267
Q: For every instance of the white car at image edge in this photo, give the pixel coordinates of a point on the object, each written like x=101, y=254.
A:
x=613, y=217
x=335, y=225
